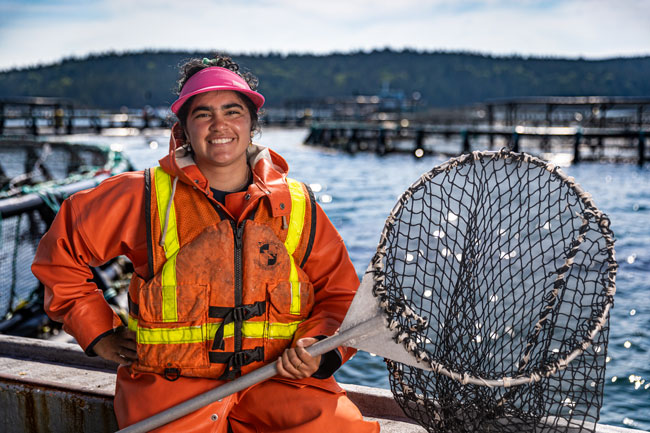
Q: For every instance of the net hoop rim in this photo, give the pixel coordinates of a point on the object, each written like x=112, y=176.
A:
x=465, y=378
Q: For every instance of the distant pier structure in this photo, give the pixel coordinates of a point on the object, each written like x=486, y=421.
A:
x=32, y=113
x=582, y=128
x=35, y=115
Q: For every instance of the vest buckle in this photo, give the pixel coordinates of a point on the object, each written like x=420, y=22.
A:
x=239, y=358
x=240, y=313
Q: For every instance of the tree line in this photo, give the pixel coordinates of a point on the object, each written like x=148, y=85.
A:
x=442, y=79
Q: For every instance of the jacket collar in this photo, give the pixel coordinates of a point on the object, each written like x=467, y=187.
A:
x=269, y=172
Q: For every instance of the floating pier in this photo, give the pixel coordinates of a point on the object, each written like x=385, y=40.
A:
x=584, y=144
x=56, y=116
x=586, y=128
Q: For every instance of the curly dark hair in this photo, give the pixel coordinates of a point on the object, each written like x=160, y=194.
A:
x=194, y=65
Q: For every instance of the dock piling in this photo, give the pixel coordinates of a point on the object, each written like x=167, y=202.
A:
x=576, y=147
x=641, y=144
x=465, y=140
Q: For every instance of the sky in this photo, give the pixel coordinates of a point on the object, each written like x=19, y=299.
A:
x=39, y=31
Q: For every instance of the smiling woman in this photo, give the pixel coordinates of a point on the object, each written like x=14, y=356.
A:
x=236, y=266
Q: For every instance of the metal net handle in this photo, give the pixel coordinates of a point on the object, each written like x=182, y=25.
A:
x=403, y=337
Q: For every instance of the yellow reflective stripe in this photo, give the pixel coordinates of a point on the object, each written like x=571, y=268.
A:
x=297, y=219
x=132, y=324
x=296, y=224
x=205, y=332
x=295, y=288
x=168, y=277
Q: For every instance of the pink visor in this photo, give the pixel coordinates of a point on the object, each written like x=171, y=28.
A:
x=215, y=78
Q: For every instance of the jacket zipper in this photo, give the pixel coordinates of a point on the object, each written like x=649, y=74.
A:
x=238, y=232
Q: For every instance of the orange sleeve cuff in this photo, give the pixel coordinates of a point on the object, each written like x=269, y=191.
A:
x=77, y=321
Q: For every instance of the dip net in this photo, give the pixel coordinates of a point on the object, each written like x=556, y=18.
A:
x=497, y=271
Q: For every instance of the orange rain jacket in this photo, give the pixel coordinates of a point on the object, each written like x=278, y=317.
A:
x=96, y=225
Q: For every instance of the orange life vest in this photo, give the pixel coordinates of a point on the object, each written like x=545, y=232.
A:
x=224, y=298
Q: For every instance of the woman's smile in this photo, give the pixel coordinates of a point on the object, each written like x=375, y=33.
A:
x=220, y=140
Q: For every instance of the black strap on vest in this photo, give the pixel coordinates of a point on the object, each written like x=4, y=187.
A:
x=312, y=228
x=134, y=308
x=236, y=314
x=236, y=360
x=147, y=218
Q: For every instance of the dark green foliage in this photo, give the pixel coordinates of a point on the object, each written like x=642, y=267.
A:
x=444, y=79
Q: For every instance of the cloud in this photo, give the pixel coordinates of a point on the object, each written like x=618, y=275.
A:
x=40, y=31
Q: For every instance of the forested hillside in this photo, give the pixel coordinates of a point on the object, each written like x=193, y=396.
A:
x=443, y=79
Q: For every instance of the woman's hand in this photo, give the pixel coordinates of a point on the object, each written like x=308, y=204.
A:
x=119, y=347
x=296, y=362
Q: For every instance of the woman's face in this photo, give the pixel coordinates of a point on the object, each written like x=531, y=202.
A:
x=218, y=127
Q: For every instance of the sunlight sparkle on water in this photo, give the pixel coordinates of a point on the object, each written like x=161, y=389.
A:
x=631, y=258
x=568, y=402
x=316, y=187
x=628, y=421
x=627, y=344
x=325, y=198
x=638, y=381
x=559, y=159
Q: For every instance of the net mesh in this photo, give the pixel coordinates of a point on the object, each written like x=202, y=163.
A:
x=20, y=235
x=32, y=163
x=35, y=177
x=497, y=271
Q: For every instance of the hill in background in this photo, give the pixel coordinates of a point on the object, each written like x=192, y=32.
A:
x=443, y=79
